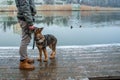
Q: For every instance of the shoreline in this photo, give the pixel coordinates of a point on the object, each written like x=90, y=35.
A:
x=68, y=46
x=62, y=8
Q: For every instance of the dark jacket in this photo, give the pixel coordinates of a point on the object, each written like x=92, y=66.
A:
x=26, y=10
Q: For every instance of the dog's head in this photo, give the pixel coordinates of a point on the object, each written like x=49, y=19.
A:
x=39, y=38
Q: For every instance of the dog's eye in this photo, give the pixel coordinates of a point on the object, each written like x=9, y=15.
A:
x=41, y=37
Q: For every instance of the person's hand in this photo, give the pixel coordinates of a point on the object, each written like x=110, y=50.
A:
x=31, y=28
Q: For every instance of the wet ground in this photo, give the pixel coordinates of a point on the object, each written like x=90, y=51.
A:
x=71, y=63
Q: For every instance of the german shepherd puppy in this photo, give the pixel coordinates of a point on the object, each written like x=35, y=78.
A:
x=42, y=41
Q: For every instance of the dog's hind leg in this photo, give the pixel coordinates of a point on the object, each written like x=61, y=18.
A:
x=45, y=54
x=52, y=56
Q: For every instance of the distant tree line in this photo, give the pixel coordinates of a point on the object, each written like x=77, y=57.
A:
x=102, y=3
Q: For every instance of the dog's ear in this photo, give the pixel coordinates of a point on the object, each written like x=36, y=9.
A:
x=40, y=29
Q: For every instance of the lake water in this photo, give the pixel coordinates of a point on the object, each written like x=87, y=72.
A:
x=72, y=28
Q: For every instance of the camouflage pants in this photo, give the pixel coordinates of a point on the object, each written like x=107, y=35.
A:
x=24, y=41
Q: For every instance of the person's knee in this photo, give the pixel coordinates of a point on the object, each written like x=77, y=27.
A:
x=25, y=43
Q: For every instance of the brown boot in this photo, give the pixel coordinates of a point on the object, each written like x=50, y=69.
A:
x=24, y=65
x=30, y=61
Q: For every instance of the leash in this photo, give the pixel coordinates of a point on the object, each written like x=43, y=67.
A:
x=33, y=40
x=33, y=43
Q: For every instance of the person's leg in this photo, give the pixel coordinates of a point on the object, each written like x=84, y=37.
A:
x=24, y=41
x=23, y=47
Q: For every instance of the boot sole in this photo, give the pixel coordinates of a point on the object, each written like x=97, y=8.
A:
x=27, y=69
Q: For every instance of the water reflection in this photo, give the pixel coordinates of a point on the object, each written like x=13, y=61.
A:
x=64, y=18
x=48, y=70
x=99, y=17
x=61, y=20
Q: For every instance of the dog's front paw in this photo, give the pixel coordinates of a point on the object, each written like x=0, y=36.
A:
x=45, y=60
x=39, y=59
x=52, y=57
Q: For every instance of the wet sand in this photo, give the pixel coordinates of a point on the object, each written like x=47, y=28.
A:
x=71, y=63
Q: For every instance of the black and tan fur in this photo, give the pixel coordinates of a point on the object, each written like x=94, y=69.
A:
x=42, y=41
